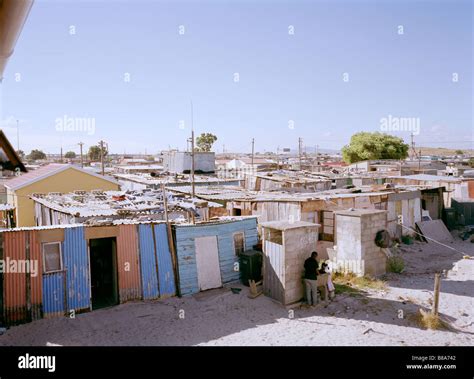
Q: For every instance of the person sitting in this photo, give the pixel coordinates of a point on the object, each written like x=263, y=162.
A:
x=310, y=278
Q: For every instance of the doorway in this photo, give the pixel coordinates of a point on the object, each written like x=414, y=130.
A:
x=103, y=261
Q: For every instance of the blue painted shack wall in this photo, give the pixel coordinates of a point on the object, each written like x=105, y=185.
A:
x=148, y=262
x=185, y=249
x=76, y=263
x=53, y=294
x=165, y=264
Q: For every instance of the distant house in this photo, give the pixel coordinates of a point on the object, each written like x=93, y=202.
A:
x=181, y=161
x=386, y=167
x=461, y=188
x=51, y=178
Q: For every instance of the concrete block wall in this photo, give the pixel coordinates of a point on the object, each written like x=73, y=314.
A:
x=299, y=244
x=356, y=231
x=375, y=260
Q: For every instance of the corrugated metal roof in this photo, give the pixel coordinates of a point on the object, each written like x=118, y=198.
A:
x=427, y=177
x=240, y=194
x=6, y=207
x=112, y=203
x=45, y=172
x=286, y=225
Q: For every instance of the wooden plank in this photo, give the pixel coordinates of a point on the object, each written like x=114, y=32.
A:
x=436, y=230
x=436, y=294
x=51, y=235
x=93, y=232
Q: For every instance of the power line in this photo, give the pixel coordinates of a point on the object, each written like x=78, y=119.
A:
x=432, y=239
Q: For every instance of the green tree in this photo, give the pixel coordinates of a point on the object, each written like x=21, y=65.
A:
x=205, y=141
x=36, y=155
x=367, y=146
x=70, y=155
x=459, y=152
x=94, y=153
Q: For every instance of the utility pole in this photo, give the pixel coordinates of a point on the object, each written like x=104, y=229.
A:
x=278, y=157
x=419, y=160
x=413, y=151
x=300, y=142
x=317, y=156
x=192, y=164
x=170, y=238
x=101, y=144
x=61, y=154
x=253, y=151
x=82, y=160
x=193, y=189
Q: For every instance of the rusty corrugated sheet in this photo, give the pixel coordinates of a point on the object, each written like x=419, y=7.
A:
x=14, y=285
x=128, y=263
x=36, y=281
x=470, y=189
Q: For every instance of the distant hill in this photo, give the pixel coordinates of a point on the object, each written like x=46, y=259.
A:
x=312, y=150
x=442, y=151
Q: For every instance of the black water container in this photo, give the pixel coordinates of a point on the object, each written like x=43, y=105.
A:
x=250, y=266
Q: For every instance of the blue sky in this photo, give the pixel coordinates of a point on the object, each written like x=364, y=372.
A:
x=290, y=85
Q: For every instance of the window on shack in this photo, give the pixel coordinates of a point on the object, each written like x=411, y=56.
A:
x=274, y=235
x=52, y=257
x=239, y=243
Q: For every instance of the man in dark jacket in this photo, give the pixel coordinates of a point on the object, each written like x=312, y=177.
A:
x=310, y=278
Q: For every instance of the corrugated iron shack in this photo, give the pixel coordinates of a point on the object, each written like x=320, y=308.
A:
x=208, y=254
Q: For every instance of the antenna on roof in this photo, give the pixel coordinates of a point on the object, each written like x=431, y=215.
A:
x=192, y=155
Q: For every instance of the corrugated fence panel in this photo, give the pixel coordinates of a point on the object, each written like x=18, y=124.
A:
x=165, y=264
x=53, y=294
x=148, y=262
x=128, y=263
x=36, y=278
x=15, y=305
x=76, y=263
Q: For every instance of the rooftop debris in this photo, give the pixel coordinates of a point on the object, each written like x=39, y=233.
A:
x=117, y=203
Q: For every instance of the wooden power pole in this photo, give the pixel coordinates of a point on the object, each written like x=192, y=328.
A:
x=253, y=151
x=300, y=142
x=82, y=160
x=437, y=285
x=101, y=144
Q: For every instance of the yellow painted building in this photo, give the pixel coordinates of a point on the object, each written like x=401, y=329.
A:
x=51, y=178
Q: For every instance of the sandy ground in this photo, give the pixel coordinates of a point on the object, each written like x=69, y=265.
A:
x=219, y=317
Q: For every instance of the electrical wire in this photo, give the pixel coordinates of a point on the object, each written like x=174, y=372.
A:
x=432, y=239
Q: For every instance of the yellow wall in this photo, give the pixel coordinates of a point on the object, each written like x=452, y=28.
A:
x=66, y=181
